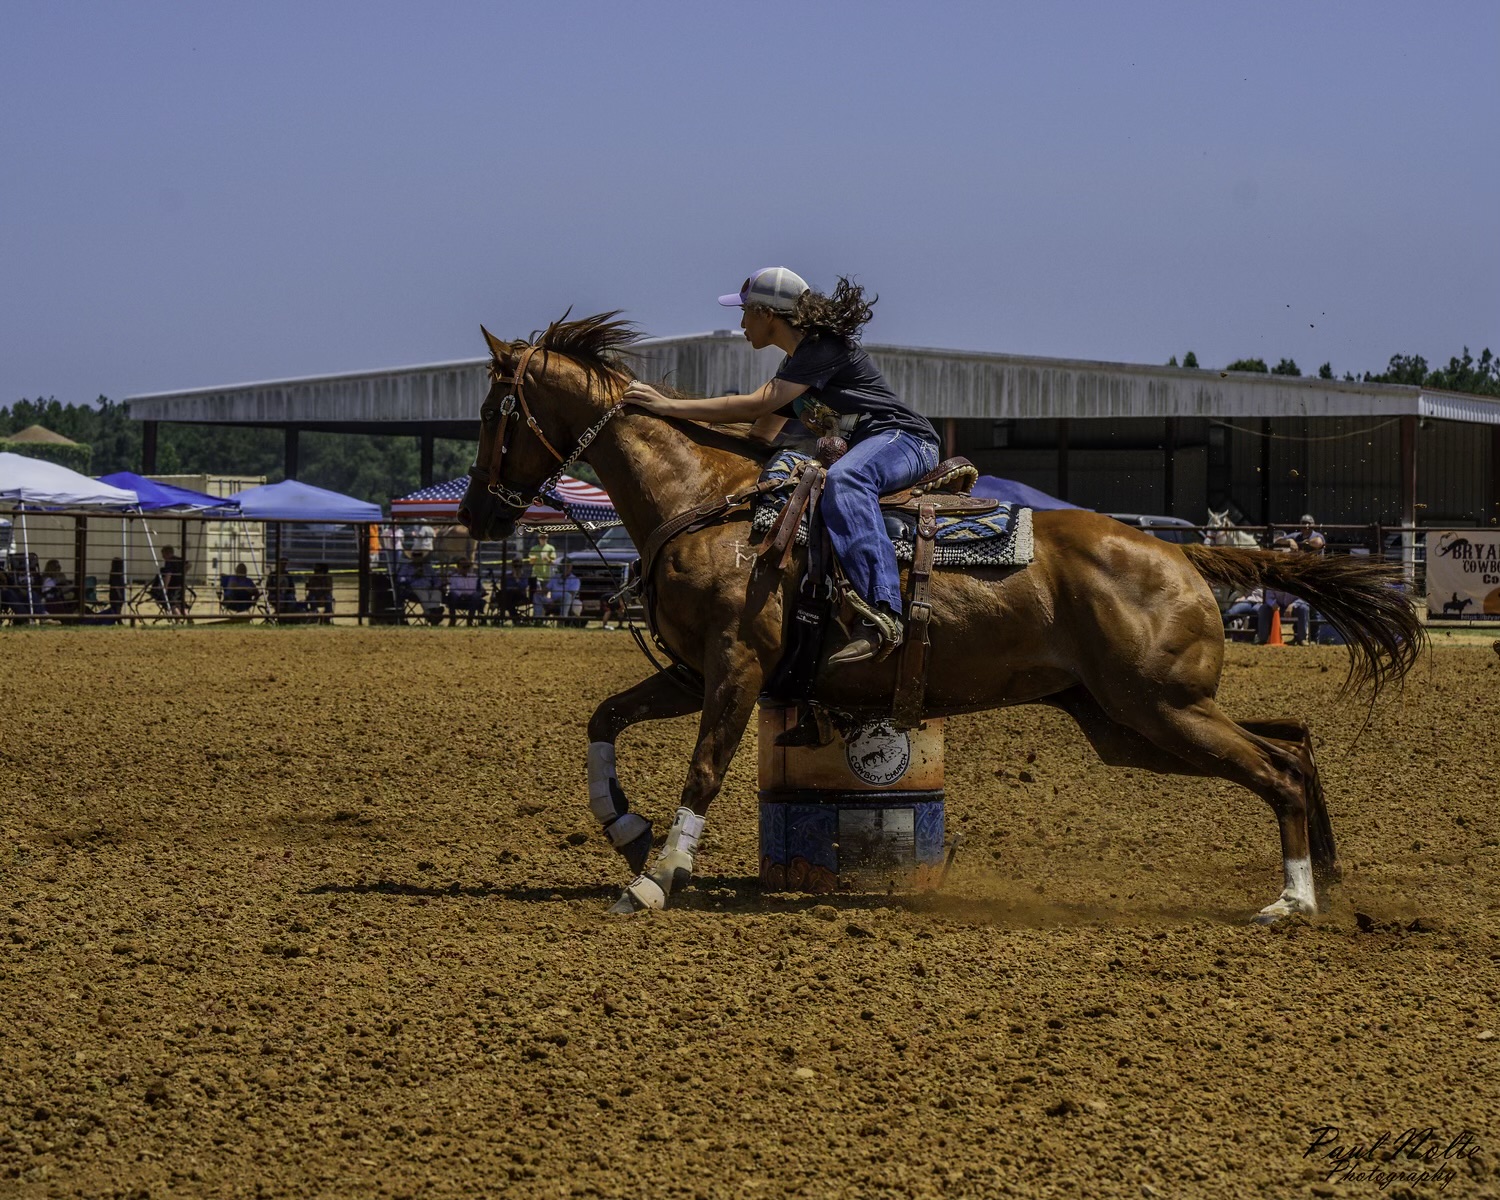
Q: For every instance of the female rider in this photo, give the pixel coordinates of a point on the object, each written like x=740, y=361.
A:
x=829, y=382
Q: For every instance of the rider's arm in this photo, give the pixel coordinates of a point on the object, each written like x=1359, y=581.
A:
x=766, y=428
x=765, y=400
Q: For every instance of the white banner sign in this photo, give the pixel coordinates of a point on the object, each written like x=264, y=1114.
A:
x=1463, y=575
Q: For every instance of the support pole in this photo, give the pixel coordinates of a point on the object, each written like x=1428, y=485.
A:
x=1408, y=494
x=424, y=445
x=289, y=454
x=148, y=447
x=367, y=533
x=80, y=560
x=1492, y=518
x=950, y=437
x=1062, y=459
x=1169, y=466
x=1265, y=472
x=186, y=612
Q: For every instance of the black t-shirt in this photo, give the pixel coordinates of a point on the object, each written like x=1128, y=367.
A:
x=840, y=376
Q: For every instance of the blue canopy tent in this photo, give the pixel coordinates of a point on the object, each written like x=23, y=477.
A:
x=291, y=501
x=294, y=501
x=1008, y=491
x=154, y=495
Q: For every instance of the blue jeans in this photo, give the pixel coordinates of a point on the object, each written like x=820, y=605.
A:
x=883, y=462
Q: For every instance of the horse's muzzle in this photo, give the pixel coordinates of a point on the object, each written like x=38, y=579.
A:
x=486, y=519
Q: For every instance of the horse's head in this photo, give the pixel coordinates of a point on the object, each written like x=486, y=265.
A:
x=542, y=396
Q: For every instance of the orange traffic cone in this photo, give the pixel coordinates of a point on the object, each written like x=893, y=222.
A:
x=1275, y=638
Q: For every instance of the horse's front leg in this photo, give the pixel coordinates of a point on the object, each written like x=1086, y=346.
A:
x=653, y=699
x=731, y=688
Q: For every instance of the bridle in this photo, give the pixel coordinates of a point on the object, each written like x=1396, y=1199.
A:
x=513, y=407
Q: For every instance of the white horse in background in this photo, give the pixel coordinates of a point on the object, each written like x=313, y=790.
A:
x=1221, y=533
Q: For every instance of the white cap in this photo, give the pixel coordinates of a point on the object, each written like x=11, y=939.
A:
x=771, y=287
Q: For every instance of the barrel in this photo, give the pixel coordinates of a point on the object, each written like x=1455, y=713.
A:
x=863, y=813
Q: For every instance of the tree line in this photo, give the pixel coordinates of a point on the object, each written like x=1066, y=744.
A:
x=1476, y=376
x=376, y=467
x=370, y=466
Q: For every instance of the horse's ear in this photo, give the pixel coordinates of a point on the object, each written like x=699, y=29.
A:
x=497, y=347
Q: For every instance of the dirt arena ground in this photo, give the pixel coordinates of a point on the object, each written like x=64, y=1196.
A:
x=321, y=913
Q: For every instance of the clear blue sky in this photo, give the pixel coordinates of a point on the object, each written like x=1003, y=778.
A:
x=197, y=194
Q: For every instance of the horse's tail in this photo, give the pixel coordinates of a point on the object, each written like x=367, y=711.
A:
x=1365, y=601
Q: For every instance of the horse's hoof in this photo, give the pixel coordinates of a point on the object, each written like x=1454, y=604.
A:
x=1280, y=909
x=640, y=894
x=626, y=906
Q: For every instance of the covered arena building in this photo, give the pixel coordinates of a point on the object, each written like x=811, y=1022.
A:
x=1116, y=437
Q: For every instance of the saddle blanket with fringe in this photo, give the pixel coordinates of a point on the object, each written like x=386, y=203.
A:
x=997, y=539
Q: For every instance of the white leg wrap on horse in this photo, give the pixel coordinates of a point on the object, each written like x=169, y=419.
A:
x=621, y=831
x=647, y=892
x=601, y=774
x=681, y=845
x=1299, y=884
x=1298, y=896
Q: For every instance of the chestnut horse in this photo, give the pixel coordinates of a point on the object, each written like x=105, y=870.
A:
x=1111, y=625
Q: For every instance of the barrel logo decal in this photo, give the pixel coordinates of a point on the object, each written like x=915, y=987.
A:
x=879, y=754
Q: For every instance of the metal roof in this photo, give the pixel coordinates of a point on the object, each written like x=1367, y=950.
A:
x=939, y=383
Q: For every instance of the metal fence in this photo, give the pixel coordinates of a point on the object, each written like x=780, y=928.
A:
x=106, y=568
x=97, y=567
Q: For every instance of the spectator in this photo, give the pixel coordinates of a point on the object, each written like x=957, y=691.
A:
x=239, y=591
x=542, y=557
x=1291, y=609
x=611, y=613
x=118, y=588
x=419, y=539
x=560, y=595
x=465, y=591
x=416, y=581
x=320, y=593
x=22, y=591
x=1304, y=538
x=392, y=539
x=169, y=589
x=12, y=598
x=58, y=593
x=508, y=598
x=281, y=587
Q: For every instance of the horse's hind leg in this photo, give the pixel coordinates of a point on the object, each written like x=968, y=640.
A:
x=1295, y=735
x=653, y=699
x=1198, y=739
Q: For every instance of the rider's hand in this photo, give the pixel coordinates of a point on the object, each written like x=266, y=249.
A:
x=644, y=396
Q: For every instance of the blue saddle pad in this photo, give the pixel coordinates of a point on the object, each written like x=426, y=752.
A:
x=997, y=539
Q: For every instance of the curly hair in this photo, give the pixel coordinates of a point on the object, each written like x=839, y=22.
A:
x=843, y=313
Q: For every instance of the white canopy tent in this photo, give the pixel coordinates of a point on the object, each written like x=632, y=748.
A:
x=30, y=483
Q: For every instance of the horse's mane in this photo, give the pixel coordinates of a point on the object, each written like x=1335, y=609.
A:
x=599, y=344
x=603, y=344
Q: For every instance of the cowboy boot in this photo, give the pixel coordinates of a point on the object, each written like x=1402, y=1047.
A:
x=877, y=635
